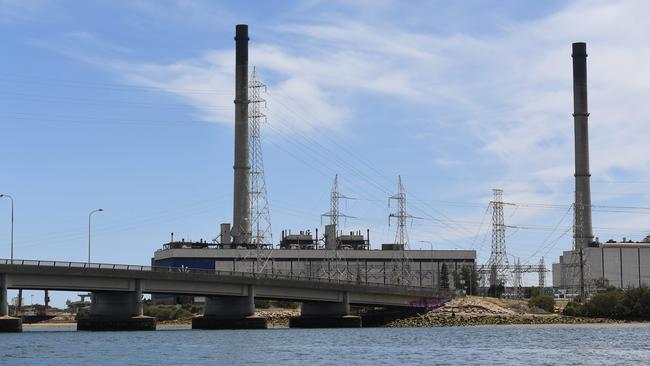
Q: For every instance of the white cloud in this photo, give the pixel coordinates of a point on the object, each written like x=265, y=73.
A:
x=18, y=11
x=512, y=87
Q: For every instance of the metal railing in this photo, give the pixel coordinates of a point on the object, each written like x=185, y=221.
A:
x=211, y=272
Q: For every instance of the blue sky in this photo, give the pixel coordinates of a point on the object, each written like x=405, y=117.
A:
x=127, y=105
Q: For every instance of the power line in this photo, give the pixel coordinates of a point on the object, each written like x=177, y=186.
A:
x=97, y=85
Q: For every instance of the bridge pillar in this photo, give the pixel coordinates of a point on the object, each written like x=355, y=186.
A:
x=117, y=310
x=229, y=312
x=7, y=323
x=326, y=315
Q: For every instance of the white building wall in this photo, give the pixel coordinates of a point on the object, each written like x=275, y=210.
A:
x=622, y=266
x=644, y=258
x=612, y=264
x=630, y=267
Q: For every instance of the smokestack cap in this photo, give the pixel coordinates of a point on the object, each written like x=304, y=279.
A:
x=579, y=49
x=241, y=32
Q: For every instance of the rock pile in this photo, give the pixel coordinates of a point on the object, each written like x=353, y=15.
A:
x=277, y=317
x=472, y=311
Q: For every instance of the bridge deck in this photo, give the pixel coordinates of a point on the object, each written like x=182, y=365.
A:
x=75, y=276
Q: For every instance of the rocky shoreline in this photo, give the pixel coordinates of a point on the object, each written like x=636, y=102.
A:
x=462, y=321
x=474, y=311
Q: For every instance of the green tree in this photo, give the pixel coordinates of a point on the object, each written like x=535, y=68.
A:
x=444, y=277
x=496, y=290
x=470, y=277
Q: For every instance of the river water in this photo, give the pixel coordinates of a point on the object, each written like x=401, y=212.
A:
x=502, y=345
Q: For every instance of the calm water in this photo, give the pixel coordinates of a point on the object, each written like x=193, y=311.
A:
x=553, y=345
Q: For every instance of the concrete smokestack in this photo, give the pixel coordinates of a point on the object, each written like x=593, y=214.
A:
x=583, y=232
x=241, y=230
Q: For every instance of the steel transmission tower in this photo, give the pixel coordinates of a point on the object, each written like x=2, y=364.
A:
x=401, y=235
x=498, y=257
x=335, y=199
x=262, y=235
x=401, y=268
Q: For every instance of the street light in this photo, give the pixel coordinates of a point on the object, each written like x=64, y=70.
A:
x=428, y=242
x=12, y=225
x=89, y=216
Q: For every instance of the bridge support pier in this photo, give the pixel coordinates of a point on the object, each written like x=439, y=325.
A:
x=230, y=312
x=7, y=323
x=326, y=315
x=117, y=311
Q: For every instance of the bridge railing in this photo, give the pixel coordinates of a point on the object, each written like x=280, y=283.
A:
x=256, y=275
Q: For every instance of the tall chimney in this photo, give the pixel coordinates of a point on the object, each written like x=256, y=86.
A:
x=241, y=230
x=583, y=230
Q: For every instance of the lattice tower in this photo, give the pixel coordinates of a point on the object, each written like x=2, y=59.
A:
x=401, y=269
x=260, y=215
x=498, y=256
x=334, y=213
x=401, y=234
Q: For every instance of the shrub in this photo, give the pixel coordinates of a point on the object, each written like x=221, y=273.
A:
x=165, y=313
x=614, y=303
x=605, y=304
x=635, y=304
x=544, y=302
x=162, y=312
x=518, y=308
x=573, y=308
x=82, y=313
x=262, y=304
x=284, y=304
x=183, y=314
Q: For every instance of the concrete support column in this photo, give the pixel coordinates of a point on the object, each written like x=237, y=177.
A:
x=230, y=312
x=139, y=299
x=4, y=301
x=326, y=315
x=7, y=323
x=117, y=310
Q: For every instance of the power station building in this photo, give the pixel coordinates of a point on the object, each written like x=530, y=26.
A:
x=405, y=267
x=622, y=265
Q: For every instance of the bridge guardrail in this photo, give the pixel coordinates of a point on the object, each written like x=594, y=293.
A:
x=132, y=267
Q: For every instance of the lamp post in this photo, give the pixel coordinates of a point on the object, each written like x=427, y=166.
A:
x=12, y=225
x=89, y=216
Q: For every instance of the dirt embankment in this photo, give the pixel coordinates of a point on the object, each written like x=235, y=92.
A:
x=472, y=310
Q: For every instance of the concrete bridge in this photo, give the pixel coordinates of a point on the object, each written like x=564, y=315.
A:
x=117, y=294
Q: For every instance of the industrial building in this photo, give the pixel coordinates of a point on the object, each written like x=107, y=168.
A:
x=622, y=265
x=406, y=267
